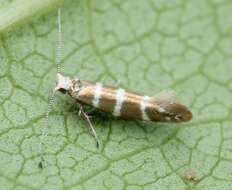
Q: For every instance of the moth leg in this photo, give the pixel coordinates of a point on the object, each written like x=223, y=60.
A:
x=86, y=117
x=91, y=111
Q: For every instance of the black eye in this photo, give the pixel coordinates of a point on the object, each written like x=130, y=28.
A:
x=62, y=90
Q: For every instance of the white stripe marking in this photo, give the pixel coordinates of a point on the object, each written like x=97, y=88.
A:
x=161, y=110
x=97, y=95
x=143, y=105
x=119, y=101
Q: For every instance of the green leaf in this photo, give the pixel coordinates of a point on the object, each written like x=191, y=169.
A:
x=17, y=11
x=148, y=46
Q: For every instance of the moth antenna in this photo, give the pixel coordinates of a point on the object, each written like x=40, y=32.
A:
x=59, y=43
x=52, y=97
x=45, y=128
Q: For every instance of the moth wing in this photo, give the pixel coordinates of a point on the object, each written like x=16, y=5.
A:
x=166, y=95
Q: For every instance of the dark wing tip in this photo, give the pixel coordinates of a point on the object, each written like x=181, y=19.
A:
x=183, y=114
x=187, y=115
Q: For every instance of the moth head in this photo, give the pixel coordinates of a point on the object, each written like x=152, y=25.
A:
x=63, y=84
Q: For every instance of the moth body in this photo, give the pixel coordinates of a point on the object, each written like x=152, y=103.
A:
x=122, y=103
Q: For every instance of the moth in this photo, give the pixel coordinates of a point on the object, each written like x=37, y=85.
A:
x=122, y=103
x=119, y=102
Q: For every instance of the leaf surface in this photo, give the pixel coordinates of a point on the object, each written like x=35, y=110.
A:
x=148, y=46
